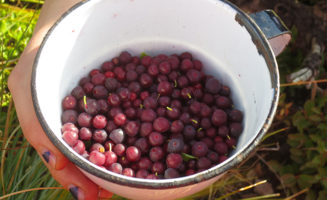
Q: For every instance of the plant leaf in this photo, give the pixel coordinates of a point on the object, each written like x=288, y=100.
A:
x=143, y=54
x=186, y=157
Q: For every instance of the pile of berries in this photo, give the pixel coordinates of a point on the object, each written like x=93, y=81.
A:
x=151, y=117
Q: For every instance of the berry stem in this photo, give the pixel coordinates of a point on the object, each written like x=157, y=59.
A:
x=85, y=104
x=169, y=108
x=194, y=121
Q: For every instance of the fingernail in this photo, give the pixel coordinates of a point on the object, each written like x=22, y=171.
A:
x=49, y=158
x=76, y=192
x=46, y=156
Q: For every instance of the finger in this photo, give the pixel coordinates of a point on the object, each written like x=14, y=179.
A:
x=104, y=194
x=72, y=179
x=19, y=86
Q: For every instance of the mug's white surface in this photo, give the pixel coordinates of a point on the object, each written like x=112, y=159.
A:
x=100, y=29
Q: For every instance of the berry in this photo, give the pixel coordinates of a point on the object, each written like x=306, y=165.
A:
x=99, y=135
x=171, y=173
x=203, y=163
x=156, y=139
x=70, y=137
x=79, y=147
x=116, y=168
x=133, y=154
x=99, y=122
x=189, y=132
x=131, y=128
x=158, y=167
x=69, y=127
x=69, y=102
x=120, y=119
x=199, y=149
x=156, y=153
x=219, y=117
x=164, y=67
x=221, y=148
x=194, y=76
x=161, y=124
x=97, y=158
x=69, y=116
x=117, y=136
x=164, y=88
x=174, y=160
x=119, y=149
x=236, y=129
x=146, y=129
x=128, y=172
x=213, y=86
x=98, y=79
x=110, y=158
x=143, y=145
x=175, y=145
x=113, y=100
x=148, y=115
x=177, y=126
x=235, y=115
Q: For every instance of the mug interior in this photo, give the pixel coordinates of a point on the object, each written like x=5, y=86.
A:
x=95, y=31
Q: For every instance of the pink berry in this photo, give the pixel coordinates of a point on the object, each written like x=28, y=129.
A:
x=70, y=137
x=97, y=158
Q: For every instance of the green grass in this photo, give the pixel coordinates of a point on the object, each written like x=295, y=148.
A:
x=21, y=167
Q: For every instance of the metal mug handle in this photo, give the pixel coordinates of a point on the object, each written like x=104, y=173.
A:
x=273, y=28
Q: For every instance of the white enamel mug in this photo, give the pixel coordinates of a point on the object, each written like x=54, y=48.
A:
x=230, y=43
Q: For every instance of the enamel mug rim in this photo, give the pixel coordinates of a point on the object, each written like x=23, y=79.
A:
x=264, y=49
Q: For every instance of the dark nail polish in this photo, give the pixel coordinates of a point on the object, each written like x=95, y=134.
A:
x=74, y=192
x=46, y=156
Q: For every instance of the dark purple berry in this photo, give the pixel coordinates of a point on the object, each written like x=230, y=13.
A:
x=236, y=129
x=175, y=145
x=219, y=117
x=203, y=163
x=221, y=148
x=69, y=102
x=69, y=116
x=213, y=86
x=171, y=173
x=148, y=115
x=131, y=128
x=199, y=149
x=189, y=132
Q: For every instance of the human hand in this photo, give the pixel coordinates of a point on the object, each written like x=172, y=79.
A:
x=65, y=172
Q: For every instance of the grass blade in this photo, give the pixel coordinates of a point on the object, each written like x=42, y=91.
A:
x=29, y=190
